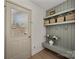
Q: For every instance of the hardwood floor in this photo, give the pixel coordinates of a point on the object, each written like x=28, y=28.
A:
x=47, y=54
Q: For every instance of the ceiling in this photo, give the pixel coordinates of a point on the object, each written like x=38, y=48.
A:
x=48, y=3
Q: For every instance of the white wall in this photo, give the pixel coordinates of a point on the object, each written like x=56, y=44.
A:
x=38, y=30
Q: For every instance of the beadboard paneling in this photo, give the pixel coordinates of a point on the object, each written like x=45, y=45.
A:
x=66, y=34
x=65, y=5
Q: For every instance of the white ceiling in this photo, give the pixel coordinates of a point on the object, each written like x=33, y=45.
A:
x=48, y=3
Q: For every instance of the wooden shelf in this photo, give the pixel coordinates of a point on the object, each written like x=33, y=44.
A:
x=65, y=11
x=65, y=22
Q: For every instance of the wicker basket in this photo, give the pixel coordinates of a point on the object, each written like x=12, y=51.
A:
x=70, y=17
x=52, y=20
x=60, y=19
x=46, y=21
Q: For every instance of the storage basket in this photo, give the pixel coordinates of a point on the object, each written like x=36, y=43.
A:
x=52, y=20
x=60, y=19
x=46, y=21
x=70, y=17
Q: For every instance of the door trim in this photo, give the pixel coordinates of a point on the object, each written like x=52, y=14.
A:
x=30, y=11
x=17, y=5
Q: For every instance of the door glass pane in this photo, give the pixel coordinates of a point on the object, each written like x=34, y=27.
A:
x=19, y=22
x=19, y=18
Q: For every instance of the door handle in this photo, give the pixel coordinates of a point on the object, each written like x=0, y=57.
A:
x=25, y=33
x=29, y=36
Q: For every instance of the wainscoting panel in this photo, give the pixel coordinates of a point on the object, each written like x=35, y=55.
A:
x=65, y=5
x=66, y=34
x=68, y=4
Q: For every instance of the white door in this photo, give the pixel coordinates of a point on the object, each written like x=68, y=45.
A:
x=18, y=33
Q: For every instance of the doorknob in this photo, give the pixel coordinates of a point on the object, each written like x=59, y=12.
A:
x=29, y=36
x=25, y=33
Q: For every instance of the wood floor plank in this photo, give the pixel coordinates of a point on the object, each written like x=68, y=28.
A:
x=47, y=54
